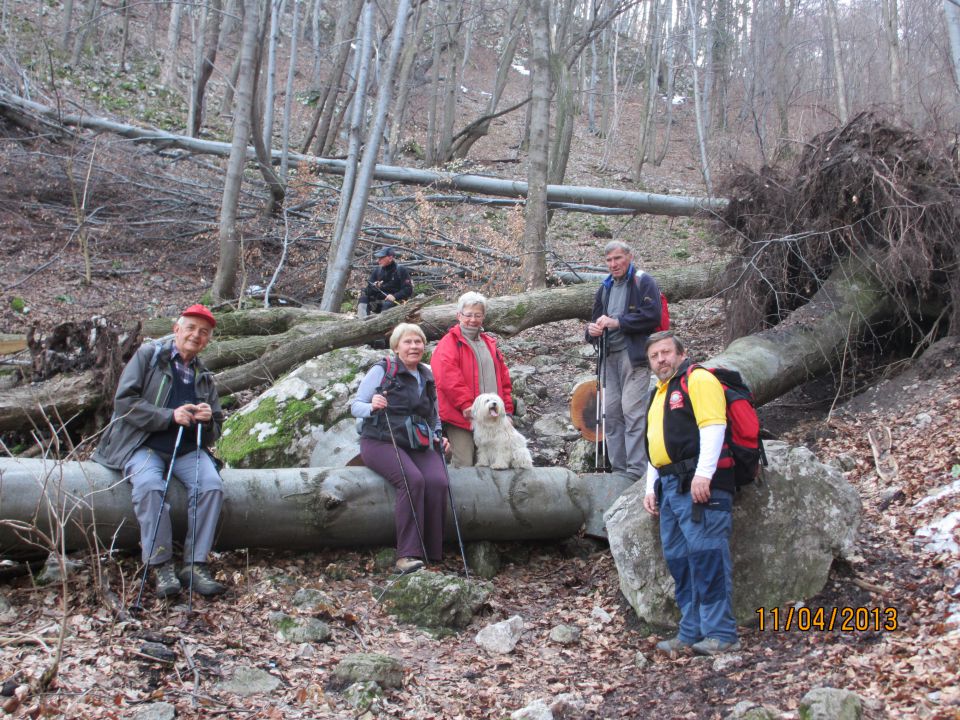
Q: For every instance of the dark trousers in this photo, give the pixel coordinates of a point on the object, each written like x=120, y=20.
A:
x=427, y=482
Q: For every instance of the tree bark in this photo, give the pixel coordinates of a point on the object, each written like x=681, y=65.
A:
x=534, y=262
x=203, y=71
x=951, y=12
x=226, y=275
x=293, y=509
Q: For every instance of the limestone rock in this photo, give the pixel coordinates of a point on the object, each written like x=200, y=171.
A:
x=825, y=703
x=154, y=711
x=249, y=681
x=385, y=671
x=309, y=599
x=483, y=559
x=787, y=530
x=300, y=630
x=301, y=411
x=363, y=696
x=565, y=634
x=537, y=710
x=502, y=637
x=433, y=600
x=748, y=710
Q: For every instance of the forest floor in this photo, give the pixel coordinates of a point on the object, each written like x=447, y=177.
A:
x=909, y=671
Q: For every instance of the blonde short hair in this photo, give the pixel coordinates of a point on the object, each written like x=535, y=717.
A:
x=405, y=329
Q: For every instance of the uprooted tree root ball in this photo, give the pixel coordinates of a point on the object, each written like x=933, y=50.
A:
x=868, y=188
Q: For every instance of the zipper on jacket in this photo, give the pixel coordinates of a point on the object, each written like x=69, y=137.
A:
x=163, y=379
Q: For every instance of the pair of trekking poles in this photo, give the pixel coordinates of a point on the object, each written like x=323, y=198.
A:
x=137, y=607
x=413, y=509
x=600, y=427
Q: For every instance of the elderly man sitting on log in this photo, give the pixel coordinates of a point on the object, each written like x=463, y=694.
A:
x=166, y=414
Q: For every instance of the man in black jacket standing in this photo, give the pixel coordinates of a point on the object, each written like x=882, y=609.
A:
x=389, y=285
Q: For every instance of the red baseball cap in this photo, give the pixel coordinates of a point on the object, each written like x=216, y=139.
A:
x=200, y=311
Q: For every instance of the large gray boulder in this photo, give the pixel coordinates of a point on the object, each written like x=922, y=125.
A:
x=303, y=414
x=786, y=532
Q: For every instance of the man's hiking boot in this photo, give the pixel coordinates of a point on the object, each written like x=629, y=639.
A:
x=408, y=565
x=712, y=646
x=203, y=582
x=673, y=645
x=165, y=577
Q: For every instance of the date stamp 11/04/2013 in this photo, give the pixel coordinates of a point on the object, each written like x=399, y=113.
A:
x=842, y=619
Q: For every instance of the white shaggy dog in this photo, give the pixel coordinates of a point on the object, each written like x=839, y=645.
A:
x=499, y=445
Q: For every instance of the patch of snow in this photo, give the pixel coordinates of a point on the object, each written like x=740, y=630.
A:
x=520, y=69
x=254, y=290
x=463, y=89
x=951, y=489
x=938, y=535
x=678, y=100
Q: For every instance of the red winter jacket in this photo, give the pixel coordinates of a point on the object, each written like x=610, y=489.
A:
x=458, y=378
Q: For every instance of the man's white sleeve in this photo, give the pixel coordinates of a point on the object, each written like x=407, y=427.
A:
x=652, y=476
x=711, y=443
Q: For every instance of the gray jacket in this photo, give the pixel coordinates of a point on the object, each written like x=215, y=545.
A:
x=139, y=406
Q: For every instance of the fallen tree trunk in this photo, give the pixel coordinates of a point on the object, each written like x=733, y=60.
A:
x=651, y=203
x=301, y=334
x=296, y=509
x=813, y=338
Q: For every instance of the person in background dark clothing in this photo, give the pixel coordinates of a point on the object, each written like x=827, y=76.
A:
x=626, y=309
x=389, y=285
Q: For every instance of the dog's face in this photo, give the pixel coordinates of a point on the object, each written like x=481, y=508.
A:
x=488, y=408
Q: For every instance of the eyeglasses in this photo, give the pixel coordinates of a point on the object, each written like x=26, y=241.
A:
x=471, y=316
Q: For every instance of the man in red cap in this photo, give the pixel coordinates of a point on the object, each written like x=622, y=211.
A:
x=166, y=410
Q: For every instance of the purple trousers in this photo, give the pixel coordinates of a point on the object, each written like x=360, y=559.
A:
x=427, y=483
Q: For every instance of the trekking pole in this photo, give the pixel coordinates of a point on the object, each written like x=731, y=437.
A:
x=406, y=486
x=603, y=397
x=453, y=509
x=596, y=424
x=196, y=501
x=137, y=607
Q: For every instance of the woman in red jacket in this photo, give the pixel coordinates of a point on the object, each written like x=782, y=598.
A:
x=465, y=364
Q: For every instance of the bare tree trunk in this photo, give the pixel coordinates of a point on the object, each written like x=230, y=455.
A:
x=124, y=33
x=455, y=50
x=653, y=61
x=168, y=72
x=80, y=42
x=288, y=94
x=263, y=154
x=951, y=12
x=338, y=271
x=361, y=67
x=534, y=262
x=319, y=133
x=891, y=27
x=269, y=95
x=225, y=279
x=403, y=81
x=204, y=69
x=697, y=102
x=68, y=18
x=841, y=84
x=430, y=146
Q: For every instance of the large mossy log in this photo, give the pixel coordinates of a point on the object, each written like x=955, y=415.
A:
x=300, y=509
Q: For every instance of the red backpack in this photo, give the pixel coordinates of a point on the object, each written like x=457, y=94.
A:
x=746, y=453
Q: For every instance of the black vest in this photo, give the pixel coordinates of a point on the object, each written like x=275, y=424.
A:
x=180, y=394
x=402, y=390
x=681, y=435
